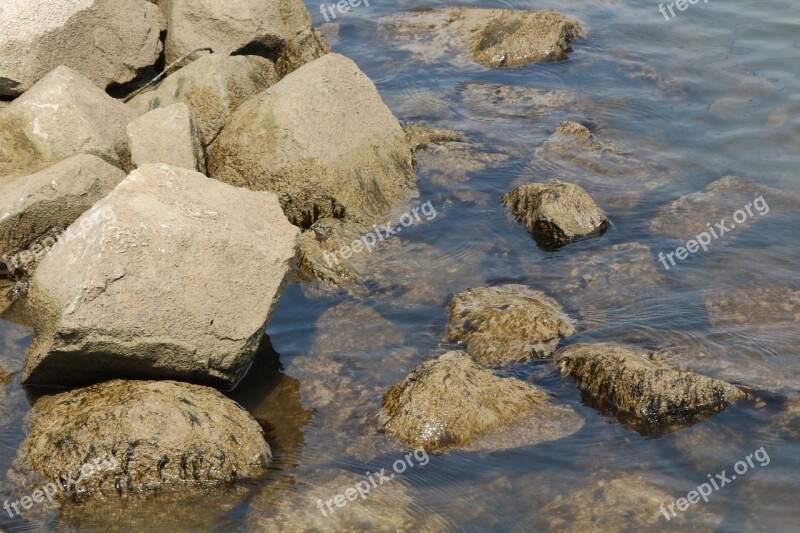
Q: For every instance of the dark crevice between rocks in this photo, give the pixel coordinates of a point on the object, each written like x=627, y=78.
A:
x=143, y=75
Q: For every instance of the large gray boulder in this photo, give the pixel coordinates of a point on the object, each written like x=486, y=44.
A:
x=121, y=438
x=167, y=135
x=321, y=139
x=641, y=390
x=62, y=115
x=213, y=87
x=280, y=30
x=172, y=275
x=453, y=402
x=557, y=213
x=108, y=41
x=36, y=209
x=508, y=323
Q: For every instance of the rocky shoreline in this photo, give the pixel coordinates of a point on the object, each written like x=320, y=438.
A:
x=149, y=239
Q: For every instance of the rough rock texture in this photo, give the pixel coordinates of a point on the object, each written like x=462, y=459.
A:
x=618, y=180
x=103, y=307
x=142, y=436
x=62, y=115
x=509, y=323
x=640, y=390
x=167, y=135
x=35, y=209
x=452, y=401
x=323, y=140
x=558, y=213
x=279, y=30
x=688, y=216
x=107, y=41
x=213, y=87
x=493, y=37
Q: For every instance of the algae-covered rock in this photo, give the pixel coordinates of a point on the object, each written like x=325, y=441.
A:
x=498, y=325
x=640, y=390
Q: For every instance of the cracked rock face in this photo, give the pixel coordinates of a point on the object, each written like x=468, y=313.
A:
x=641, y=391
x=557, y=213
x=173, y=275
x=110, y=440
x=509, y=323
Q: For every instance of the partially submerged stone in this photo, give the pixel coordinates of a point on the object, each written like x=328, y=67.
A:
x=213, y=87
x=557, y=213
x=498, y=325
x=36, y=209
x=63, y=115
x=103, y=307
x=167, y=135
x=321, y=139
x=640, y=390
x=492, y=37
x=279, y=30
x=121, y=438
x=453, y=402
x=108, y=41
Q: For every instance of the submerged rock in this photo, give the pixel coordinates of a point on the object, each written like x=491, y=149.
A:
x=280, y=30
x=213, y=87
x=640, y=390
x=557, y=213
x=324, y=141
x=452, y=402
x=108, y=41
x=103, y=308
x=120, y=438
x=63, y=115
x=509, y=323
x=167, y=135
x=35, y=209
x=493, y=37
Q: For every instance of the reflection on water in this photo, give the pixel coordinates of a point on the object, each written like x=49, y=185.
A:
x=674, y=106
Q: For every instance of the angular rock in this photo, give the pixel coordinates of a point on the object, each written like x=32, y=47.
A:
x=167, y=135
x=279, y=30
x=557, y=213
x=640, y=390
x=617, y=179
x=691, y=214
x=499, y=325
x=109, y=439
x=324, y=141
x=36, y=209
x=108, y=41
x=493, y=37
x=103, y=305
x=452, y=402
x=213, y=87
x=63, y=115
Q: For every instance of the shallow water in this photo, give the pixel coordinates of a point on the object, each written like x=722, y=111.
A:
x=713, y=92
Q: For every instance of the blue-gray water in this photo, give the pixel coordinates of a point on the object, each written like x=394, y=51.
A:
x=713, y=92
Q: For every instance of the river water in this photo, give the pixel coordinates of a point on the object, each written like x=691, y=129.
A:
x=712, y=92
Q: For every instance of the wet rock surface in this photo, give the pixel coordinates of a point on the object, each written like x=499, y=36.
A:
x=63, y=115
x=280, y=31
x=640, y=390
x=212, y=87
x=557, y=213
x=498, y=325
x=114, y=433
x=167, y=135
x=492, y=37
x=37, y=208
x=108, y=41
x=102, y=307
x=324, y=141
